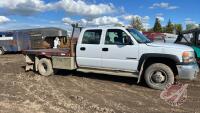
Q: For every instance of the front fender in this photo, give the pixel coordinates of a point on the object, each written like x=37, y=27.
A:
x=145, y=57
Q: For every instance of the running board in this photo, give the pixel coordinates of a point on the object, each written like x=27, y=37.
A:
x=109, y=72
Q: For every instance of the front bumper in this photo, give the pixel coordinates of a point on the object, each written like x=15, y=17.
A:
x=189, y=71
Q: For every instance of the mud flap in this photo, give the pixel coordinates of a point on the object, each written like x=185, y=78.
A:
x=140, y=73
x=29, y=63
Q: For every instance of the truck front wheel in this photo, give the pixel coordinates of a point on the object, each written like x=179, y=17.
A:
x=158, y=75
x=45, y=67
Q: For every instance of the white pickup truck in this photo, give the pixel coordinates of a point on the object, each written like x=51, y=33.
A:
x=118, y=51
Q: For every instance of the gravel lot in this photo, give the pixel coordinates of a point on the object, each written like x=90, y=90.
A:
x=75, y=92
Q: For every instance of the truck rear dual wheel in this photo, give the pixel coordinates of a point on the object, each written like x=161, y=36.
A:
x=158, y=75
x=45, y=67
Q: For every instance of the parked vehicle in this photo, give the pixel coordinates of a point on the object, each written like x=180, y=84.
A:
x=13, y=41
x=38, y=38
x=118, y=51
x=161, y=37
x=155, y=37
x=170, y=38
x=191, y=38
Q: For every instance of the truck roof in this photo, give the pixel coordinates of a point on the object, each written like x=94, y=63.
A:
x=104, y=27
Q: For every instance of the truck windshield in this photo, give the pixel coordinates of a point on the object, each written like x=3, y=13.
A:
x=138, y=36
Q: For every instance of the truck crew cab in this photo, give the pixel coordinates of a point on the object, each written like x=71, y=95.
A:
x=118, y=51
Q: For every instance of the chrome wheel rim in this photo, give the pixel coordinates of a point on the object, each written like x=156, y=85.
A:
x=158, y=77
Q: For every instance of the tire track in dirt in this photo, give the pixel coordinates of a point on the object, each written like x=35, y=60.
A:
x=58, y=102
x=28, y=92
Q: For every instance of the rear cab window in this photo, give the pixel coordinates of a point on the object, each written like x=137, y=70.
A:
x=92, y=36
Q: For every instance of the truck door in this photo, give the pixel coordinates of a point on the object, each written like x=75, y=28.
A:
x=88, y=50
x=119, y=51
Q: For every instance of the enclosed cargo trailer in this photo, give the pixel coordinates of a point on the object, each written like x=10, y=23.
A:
x=14, y=41
x=38, y=38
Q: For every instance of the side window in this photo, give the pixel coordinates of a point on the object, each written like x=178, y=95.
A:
x=117, y=37
x=92, y=37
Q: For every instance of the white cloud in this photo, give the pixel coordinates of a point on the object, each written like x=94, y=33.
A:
x=68, y=21
x=146, y=25
x=100, y=21
x=25, y=7
x=145, y=19
x=80, y=7
x=189, y=21
x=131, y=17
x=4, y=19
x=193, y=24
x=77, y=7
x=83, y=22
x=105, y=20
x=160, y=18
x=163, y=5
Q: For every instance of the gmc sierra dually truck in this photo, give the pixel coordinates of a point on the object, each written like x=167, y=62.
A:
x=118, y=51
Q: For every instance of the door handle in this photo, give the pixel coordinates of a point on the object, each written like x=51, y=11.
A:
x=104, y=49
x=82, y=48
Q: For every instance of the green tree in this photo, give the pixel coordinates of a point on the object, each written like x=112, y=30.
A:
x=191, y=26
x=164, y=29
x=150, y=30
x=137, y=24
x=169, y=27
x=157, y=26
x=178, y=28
x=118, y=25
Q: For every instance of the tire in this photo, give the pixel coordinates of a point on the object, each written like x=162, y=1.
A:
x=45, y=67
x=2, y=51
x=158, y=75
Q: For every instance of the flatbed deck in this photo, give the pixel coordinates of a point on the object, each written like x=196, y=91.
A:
x=49, y=52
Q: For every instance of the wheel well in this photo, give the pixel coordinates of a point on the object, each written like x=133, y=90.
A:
x=43, y=56
x=169, y=62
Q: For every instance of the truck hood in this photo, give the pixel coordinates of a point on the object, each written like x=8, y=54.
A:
x=170, y=45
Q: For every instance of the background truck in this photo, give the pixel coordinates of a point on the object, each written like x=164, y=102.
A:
x=161, y=37
x=37, y=38
x=118, y=51
x=191, y=38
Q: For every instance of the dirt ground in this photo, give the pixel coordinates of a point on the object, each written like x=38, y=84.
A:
x=75, y=92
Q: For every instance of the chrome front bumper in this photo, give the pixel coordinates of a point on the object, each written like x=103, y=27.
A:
x=189, y=71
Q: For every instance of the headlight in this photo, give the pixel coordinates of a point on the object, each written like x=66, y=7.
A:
x=188, y=57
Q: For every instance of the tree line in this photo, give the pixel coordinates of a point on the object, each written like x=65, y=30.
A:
x=169, y=28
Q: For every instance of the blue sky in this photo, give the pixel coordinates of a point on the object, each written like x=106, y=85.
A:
x=22, y=14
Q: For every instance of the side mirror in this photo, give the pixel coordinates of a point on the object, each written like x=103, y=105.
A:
x=131, y=43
